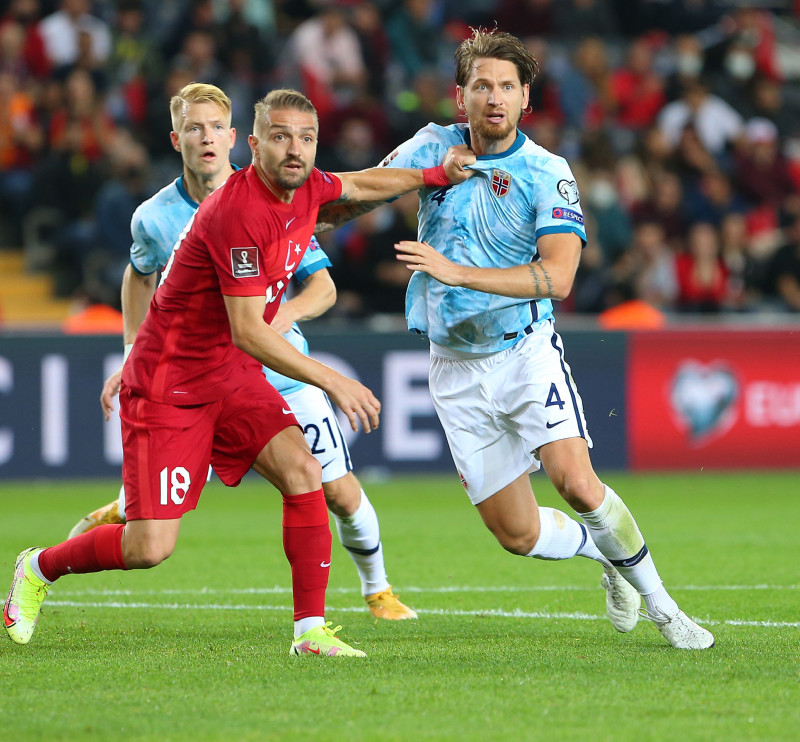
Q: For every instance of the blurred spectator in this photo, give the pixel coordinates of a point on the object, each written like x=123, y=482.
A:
x=415, y=36
x=691, y=160
x=526, y=17
x=783, y=273
x=543, y=97
x=747, y=274
x=716, y=123
x=70, y=177
x=83, y=123
x=574, y=19
x=686, y=60
x=665, y=207
x=376, y=49
x=703, y=279
x=61, y=33
x=243, y=45
x=601, y=201
x=134, y=61
x=762, y=173
x=198, y=57
x=116, y=200
x=354, y=148
x=638, y=91
x=327, y=54
x=714, y=199
x=585, y=87
x=426, y=102
x=26, y=14
x=768, y=101
x=653, y=268
x=21, y=139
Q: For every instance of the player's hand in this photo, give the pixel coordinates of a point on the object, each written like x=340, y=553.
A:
x=282, y=322
x=356, y=401
x=457, y=158
x=420, y=256
x=110, y=390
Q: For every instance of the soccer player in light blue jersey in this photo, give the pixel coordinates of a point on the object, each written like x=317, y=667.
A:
x=203, y=136
x=492, y=256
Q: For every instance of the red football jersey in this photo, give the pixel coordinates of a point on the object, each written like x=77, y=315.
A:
x=242, y=241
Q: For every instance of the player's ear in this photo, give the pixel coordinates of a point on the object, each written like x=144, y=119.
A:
x=460, y=99
x=173, y=137
x=252, y=140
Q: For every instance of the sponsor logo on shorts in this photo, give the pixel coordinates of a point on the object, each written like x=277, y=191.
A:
x=324, y=564
x=550, y=425
x=568, y=214
x=463, y=481
x=244, y=262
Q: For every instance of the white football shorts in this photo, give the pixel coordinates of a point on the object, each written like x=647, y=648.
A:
x=316, y=416
x=498, y=409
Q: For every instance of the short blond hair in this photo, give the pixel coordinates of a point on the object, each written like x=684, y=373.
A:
x=282, y=99
x=197, y=92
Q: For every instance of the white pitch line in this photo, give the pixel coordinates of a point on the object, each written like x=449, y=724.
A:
x=490, y=612
x=277, y=590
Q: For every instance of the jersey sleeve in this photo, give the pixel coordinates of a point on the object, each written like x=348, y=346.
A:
x=145, y=250
x=327, y=186
x=313, y=260
x=425, y=149
x=558, y=202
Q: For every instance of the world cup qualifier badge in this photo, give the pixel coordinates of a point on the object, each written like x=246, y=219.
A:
x=244, y=262
x=501, y=182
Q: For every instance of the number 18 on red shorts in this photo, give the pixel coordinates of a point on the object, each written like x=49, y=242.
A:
x=168, y=449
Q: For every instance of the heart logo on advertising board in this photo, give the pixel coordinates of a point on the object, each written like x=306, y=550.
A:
x=703, y=399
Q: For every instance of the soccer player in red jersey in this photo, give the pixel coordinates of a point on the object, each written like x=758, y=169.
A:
x=193, y=393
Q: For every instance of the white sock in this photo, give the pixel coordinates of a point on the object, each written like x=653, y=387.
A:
x=560, y=537
x=304, y=624
x=34, y=564
x=360, y=534
x=121, y=501
x=616, y=534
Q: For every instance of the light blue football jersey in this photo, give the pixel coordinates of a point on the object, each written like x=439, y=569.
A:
x=491, y=221
x=156, y=227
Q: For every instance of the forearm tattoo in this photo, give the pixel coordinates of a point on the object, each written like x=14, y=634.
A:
x=341, y=211
x=543, y=286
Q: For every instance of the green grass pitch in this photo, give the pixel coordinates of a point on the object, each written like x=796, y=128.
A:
x=505, y=648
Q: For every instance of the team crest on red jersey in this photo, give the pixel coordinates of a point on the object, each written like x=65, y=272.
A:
x=501, y=182
x=244, y=262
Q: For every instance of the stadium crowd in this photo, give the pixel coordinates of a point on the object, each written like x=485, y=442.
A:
x=680, y=118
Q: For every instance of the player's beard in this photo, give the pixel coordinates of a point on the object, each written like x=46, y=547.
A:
x=291, y=181
x=493, y=132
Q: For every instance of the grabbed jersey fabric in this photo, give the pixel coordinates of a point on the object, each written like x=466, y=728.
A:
x=492, y=220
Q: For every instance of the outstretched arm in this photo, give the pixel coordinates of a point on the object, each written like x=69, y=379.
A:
x=551, y=277
x=381, y=184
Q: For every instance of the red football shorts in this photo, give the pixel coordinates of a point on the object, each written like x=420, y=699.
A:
x=167, y=449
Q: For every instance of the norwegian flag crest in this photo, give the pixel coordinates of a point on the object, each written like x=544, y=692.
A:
x=501, y=181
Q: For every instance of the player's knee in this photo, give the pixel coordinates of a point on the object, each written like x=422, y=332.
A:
x=581, y=493
x=303, y=473
x=342, y=496
x=147, y=553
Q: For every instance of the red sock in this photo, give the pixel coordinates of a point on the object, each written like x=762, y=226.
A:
x=307, y=544
x=93, y=551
